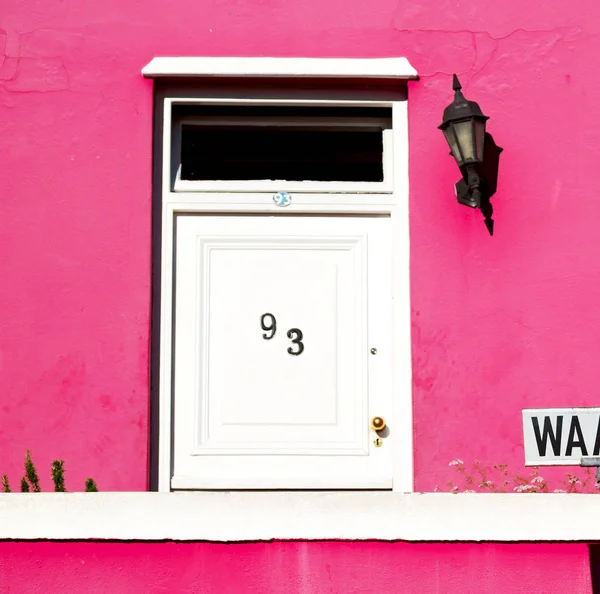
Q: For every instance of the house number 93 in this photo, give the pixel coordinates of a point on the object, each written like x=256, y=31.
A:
x=268, y=323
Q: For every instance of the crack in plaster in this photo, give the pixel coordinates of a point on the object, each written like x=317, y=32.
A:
x=3, y=36
x=564, y=33
x=43, y=53
x=487, y=33
x=6, y=82
x=490, y=59
x=8, y=57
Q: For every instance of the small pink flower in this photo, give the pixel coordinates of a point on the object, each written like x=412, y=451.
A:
x=456, y=462
x=537, y=480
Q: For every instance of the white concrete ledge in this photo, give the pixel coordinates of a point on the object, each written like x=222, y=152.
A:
x=239, y=516
x=381, y=68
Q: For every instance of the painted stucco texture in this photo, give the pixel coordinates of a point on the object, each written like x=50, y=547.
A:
x=499, y=323
x=292, y=568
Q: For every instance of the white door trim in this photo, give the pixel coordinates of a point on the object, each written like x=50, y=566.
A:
x=394, y=204
x=266, y=67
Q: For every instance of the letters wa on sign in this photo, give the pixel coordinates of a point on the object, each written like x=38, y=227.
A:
x=554, y=436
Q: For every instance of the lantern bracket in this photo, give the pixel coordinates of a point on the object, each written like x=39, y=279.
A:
x=479, y=180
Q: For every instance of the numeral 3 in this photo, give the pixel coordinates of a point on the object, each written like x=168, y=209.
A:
x=297, y=340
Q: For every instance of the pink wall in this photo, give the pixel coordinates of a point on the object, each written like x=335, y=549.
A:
x=498, y=324
x=293, y=568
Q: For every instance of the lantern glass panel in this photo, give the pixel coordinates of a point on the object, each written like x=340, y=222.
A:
x=479, y=138
x=464, y=136
x=453, y=143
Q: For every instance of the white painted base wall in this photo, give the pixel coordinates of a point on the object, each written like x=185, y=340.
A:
x=245, y=516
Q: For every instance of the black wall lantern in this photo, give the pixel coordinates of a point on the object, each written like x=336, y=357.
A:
x=474, y=151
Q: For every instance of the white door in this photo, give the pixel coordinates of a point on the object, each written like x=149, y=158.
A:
x=282, y=352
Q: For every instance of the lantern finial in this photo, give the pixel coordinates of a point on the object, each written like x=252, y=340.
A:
x=456, y=87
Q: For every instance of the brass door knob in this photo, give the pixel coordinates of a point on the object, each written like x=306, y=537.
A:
x=377, y=424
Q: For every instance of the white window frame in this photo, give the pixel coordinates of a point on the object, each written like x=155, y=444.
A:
x=391, y=201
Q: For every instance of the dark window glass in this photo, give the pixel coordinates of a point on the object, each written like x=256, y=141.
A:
x=281, y=153
x=276, y=150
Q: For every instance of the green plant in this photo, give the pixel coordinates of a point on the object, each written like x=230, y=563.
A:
x=90, y=486
x=31, y=482
x=58, y=475
x=31, y=473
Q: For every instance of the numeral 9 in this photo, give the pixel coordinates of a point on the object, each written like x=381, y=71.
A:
x=268, y=326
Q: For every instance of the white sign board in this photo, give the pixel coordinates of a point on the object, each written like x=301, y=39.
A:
x=560, y=436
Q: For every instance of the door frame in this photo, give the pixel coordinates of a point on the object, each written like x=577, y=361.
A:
x=168, y=203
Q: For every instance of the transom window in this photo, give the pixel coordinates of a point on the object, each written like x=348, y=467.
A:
x=322, y=145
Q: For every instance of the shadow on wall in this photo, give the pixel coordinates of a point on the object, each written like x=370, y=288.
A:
x=595, y=567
